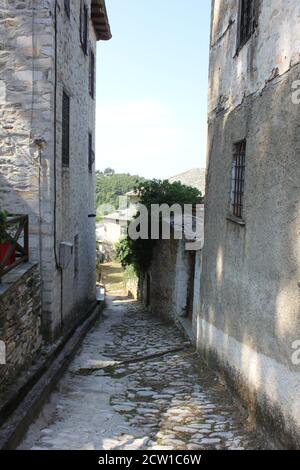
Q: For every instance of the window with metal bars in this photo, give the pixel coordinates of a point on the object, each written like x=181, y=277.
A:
x=238, y=179
x=65, y=129
x=91, y=158
x=247, y=20
x=92, y=74
x=76, y=256
x=67, y=7
x=84, y=18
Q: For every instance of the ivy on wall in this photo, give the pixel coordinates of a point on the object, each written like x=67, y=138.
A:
x=138, y=253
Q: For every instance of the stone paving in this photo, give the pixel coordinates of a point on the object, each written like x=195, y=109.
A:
x=137, y=384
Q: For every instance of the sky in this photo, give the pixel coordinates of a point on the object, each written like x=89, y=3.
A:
x=152, y=87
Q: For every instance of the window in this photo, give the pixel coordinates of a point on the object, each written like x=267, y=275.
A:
x=92, y=74
x=65, y=129
x=238, y=178
x=67, y=7
x=247, y=20
x=124, y=231
x=91, y=153
x=84, y=27
x=76, y=255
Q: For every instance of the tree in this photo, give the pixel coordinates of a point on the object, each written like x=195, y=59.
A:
x=109, y=188
x=109, y=172
x=164, y=192
x=138, y=253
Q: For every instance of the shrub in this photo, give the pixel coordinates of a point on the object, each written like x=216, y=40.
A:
x=139, y=253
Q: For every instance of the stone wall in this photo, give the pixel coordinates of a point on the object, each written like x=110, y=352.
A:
x=32, y=180
x=162, y=278
x=174, y=282
x=271, y=51
x=250, y=297
x=20, y=320
x=197, y=294
x=26, y=118
x=75, y=184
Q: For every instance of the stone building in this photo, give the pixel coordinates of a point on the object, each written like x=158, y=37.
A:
x=115, y=225
x=249, y=322
x=171, y=285
x=47, y=128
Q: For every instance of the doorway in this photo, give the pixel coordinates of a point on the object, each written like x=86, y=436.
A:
x=190, y=286
x=148, y=287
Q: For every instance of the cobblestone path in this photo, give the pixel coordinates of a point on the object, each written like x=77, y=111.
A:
x=137, y=384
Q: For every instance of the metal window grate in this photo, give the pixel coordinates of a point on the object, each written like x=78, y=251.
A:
x=92, y=75
x=67, y=7
x=238, y=178
x=65, y=130
x=76, y=255
x=91, y=159
x=247, y=20
x=84, y=27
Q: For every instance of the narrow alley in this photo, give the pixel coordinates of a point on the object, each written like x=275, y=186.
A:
x=137, y=384
x=149, y=230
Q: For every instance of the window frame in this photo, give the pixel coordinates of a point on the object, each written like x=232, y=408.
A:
x=91, y=153
x=92, y=74
x=65, y=129
x=84, y=26
x=242, y=35
x=67, y=5
x=76, y=256
x=237, y=182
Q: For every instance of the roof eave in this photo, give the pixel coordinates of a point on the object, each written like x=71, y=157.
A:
x=100, y=20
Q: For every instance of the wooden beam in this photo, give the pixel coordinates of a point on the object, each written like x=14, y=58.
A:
x=100, y=20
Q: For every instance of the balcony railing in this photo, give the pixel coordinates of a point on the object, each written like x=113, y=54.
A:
x=17, y=249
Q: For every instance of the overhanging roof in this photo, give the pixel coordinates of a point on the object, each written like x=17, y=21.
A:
x=100, y=20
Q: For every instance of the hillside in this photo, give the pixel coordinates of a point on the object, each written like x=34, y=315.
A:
x=110, y=185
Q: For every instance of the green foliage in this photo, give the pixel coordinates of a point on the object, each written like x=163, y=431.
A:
x=109, y=186
x=130, y=274
x=108, y=172
x=4, y=237
x=135, y=253
x=124, y=252
x=99, y=218
x=139, y=253
x=164, y=192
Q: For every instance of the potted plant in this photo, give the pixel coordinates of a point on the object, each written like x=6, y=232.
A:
x=6, y=240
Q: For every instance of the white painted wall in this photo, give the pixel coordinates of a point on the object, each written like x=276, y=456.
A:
x=114, y=230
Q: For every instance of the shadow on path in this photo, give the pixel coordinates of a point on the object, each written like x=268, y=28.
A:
x=137, y=384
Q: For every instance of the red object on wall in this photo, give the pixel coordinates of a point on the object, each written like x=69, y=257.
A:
x=4, y=247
